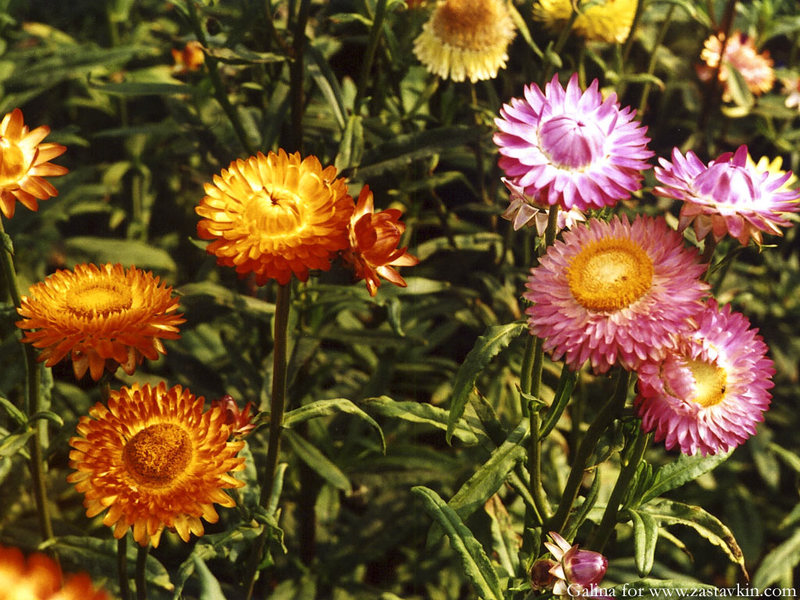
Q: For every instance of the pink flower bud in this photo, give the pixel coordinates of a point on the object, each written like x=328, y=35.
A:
x=584, y=567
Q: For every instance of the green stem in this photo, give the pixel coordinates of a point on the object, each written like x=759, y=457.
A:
x=273, y=32
x=628, y=469
x=369, y=55
x=626, y=52
x=141, y=575
x=277, y=408
x=610, y=410
x=220, y=93
x=122, y=568
x=562, y=39
x=297, y=77
x=651, y=66
x=32, y=394
x=479, y=162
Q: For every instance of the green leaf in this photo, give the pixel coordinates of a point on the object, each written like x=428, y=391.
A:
x=522, y=27
x=473, y=558
x=125, y=252
x=47, y=415
x=326, y=408
x=645, y=536
x=505, y=540
x=320, y=463
x=207, y=291
x=16, y=414
x=487, y=346
x=785, y=556
x=326, y=81
x=243, y=56
x=566, y=383
x=418, y=412
x=14, y=442
x=209, y=586
x=144, y=89
x=351, y=147
x=671, y=512
x=683, y=470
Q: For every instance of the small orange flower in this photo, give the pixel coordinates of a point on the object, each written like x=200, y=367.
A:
x=103, y=316
x=23, y=164
x=740, y=54
x=191, y=58
x=240, y=421
x=155, y=460
x=39, y=578
x=275, y=216
x=373, y=244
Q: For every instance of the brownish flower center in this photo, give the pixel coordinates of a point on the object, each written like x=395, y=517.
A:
x=610, y=274
x=710, y=383
x=13, y=165
x=158, y=454
x=466, y=23
x=99, y=298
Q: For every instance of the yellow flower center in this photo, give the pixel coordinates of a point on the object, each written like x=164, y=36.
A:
x=274, y=212
x=99, y=298
x=610, y=274
x=710, y=383
x=466, y=23
x=158, y=454
x=13, y=165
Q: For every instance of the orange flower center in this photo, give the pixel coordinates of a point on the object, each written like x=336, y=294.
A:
x=610, y=274
x=13, y=165
x=158, y=454
x=99, y=298
x=710, y=383
x=466, y=23
x=274, y=212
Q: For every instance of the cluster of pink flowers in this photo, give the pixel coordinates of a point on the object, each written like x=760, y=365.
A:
x=631, y=293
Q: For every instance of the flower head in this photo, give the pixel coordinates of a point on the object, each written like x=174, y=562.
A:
x=190, y=58
x=275, y=216
x=39, y=577
x=604, y=21
x=740, y=54
x=373, y=244
x=709, y=392
x=24, y=164
x=614, y=292
x=154, y=459
x=104, y=317
x=571, y=148
x=576, y=569
x=523, y=210
x=466, y=39
x=727, y=195
x=791, y=87
x=240, y=421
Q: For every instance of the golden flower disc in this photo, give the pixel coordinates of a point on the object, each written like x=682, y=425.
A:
x=275, y=216
x=610, y=274
x=710, y=382
x=154, y=459
x=467, y=23
x=103, y=317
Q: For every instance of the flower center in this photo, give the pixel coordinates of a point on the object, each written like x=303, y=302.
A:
x=571, y=143
x=728, y=184
x=710, y=383
x=610, y=274
x=274, y=212
x=13, y=165
x=158, y=454
x=466, y=23
x=99, y=298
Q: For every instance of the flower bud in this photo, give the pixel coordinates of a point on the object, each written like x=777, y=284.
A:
x=584, y=567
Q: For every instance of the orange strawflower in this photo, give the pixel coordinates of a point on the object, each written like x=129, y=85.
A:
x=240, y=421
x=740, y=54
x=24, y=166
x=373, y=244
x=275, y=216
x=155, y=460
x=104, y=317
x=190, y=58
x=40, y=578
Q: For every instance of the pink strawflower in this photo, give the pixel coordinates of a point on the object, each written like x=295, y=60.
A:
x=524, y=210
x=575, y=569
x=571, y=148
x=710, y=391
x=727, y=195
x=740, y=54
x=614, y=292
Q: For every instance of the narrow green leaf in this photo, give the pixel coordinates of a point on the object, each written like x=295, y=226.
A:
x=566, y=383
x=473, y=558
x=144, y=89
x=209, y=586
x=645, y=536
x=207, y=291
x=418, y=412
x=320, y=463
x=506, y=541
x=522, y=27
x=326, y=408
x=16, y=414
x=14, y=442
x=351, y=147
x=683, y=470
x=326, y=81
x=48, y=415
x=487, y=346
x=784, y=556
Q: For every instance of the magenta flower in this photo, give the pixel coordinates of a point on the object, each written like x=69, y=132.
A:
x=523, y=210
x=612, y=292
x=712, y=389
x=575, y=569
x=570, y=148
x=727, y=195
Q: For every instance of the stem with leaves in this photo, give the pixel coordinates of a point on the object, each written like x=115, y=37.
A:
x=369, y=55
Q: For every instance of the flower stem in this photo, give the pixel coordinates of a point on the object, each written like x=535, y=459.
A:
x=32, y=394
x=122, y=568
x=141, y=579
x=610, y=410
x=369, y=55
x=651, y=66
x=297, y=78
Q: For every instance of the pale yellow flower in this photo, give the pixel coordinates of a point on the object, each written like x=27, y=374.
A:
x=602, y=21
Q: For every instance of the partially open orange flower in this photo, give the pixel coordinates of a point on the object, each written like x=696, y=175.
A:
x=103, y=316
x=24, y=164
x=39, y=578
x=741, y=54
x=373, y=244
x=155, y=460
x=275, y=216
x=190, y=58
